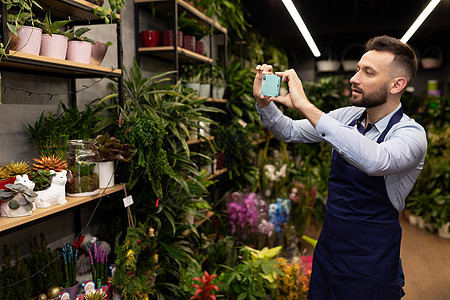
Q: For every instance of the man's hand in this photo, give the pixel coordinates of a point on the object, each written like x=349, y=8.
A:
x=260, y=71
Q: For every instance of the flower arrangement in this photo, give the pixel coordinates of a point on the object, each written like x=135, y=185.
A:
x=69, y=264
x=99, y=263
x=295, y=284
x=204, y=290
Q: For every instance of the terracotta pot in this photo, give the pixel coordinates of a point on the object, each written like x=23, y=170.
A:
x=149, y=38
x=29, y=40
x=79, y=51
x=98, y=53
x=54, y=46
x=167, y=38
x=189, y=42
x=13, y=40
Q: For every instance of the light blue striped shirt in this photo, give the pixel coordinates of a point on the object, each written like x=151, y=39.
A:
x=399, y=158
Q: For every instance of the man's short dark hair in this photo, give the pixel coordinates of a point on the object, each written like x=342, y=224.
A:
x=405, y=57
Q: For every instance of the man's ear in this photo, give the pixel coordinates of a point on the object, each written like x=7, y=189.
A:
x=398, y=85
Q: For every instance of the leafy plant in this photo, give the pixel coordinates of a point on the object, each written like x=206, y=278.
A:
x=69, y=265
x=77, y=35
x=110, y=148
x=50, y=27
x=42, y=179
x=14, y=270
x=84, y=178
x=113, y=12
x=18, y=195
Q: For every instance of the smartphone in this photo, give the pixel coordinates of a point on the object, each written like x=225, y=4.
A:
x=270, y=85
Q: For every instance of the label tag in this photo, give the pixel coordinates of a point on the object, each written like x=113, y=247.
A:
x=127, y=201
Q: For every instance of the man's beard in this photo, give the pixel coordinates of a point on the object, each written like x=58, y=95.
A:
x=372, y=99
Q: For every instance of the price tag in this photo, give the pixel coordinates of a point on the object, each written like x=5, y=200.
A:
x=127, y=201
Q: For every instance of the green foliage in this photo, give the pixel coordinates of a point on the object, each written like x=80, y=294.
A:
x=14, y=277
x=84, y=178
x=77, y=35
x=41, y=178
x=251, y=278
x=45, y=264
x=189, y=26
x=50, y=27
x=111, y=148
x=329, y=93
x=112, y=13
x=136, y=263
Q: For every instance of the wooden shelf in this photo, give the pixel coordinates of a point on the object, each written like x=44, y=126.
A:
x=216, y=100
x=9, y=223
x=165, y=6
x=77, y=10
x=168, y=53
x=217, y=173
x=38, y=63
x=200, y=140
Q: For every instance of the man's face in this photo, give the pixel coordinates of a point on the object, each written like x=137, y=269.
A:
x=370, y=84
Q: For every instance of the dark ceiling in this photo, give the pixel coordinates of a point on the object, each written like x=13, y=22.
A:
x=337, y=24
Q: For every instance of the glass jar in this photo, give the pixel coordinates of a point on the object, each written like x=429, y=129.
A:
x=83, y=163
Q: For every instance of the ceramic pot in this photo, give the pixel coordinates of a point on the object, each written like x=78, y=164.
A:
x=54, y=46
x=29, y=40
x=421, y=222
x=149, y=38
x=106, y=173
x=98, y=53
x=189, y=42
x=79, y=51
x=218, y=92
x=413, y=219
x=194, y=86
x=13, y=40
x=167, y=38
x=200, y=47
x=443, y=231
x=205, y=90
x=13, y=213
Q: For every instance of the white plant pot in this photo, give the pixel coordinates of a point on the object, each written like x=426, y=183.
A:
x=54, y=46
x=106, y=174
x=413, y=219
x=194, y=86
x=13, y=213
x=205, y=90
x=218, y=92
x=29, y=40
x=443, y=231
x=421, y=223
x=79, y=51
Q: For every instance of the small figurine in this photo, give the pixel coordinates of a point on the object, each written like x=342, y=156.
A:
x=88, y=286
x=64, y=295
x=56, y=193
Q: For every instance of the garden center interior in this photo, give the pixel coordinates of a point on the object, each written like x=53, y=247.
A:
x=134, y=164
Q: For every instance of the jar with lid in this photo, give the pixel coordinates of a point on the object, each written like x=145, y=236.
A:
x=83, y=163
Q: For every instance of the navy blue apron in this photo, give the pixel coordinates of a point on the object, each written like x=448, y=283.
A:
x=357, y=255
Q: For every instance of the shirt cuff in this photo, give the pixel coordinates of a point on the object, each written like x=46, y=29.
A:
x=327, y=127
x=269, y=112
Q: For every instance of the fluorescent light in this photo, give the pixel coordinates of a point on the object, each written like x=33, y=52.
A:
x=301, y=26
x=426, y=12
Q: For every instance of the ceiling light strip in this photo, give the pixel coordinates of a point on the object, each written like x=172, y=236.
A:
x=301, y=26
x=426, y=12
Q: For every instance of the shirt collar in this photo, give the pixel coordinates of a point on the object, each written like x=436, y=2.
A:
x=381, y=124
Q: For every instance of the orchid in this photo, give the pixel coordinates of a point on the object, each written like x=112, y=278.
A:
x=203, y=291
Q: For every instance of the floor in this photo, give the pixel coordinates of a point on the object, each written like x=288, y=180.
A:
x=426, y=262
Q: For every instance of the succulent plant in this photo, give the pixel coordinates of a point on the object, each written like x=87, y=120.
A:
x=51, y=162
x=96, y=295
x=3, y=173
x=42, y=179
x=18, y=195
x=110, y=148
x=16, y=168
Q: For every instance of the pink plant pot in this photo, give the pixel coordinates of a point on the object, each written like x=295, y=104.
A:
x=167, y=38
x=98, y=53
x=200, y=47
x=79, y=51
x=29, y=40
x=189, y=42
x=149, y=38
x=54, y=46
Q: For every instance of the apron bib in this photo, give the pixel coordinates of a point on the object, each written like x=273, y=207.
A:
x=357, y=255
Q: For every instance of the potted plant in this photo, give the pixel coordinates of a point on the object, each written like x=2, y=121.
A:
x=109, y=150
x=54, y=41
x=69, y=259
x=80, y=47
x=17, y=201
x=191, y=77
x=23, y=25
x=219, y=82
x=205, y=82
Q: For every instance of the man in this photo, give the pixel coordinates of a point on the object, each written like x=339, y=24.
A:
x=378, y=153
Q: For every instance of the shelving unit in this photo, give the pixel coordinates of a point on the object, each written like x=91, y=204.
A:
x=81, y=12
x=8, y=224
